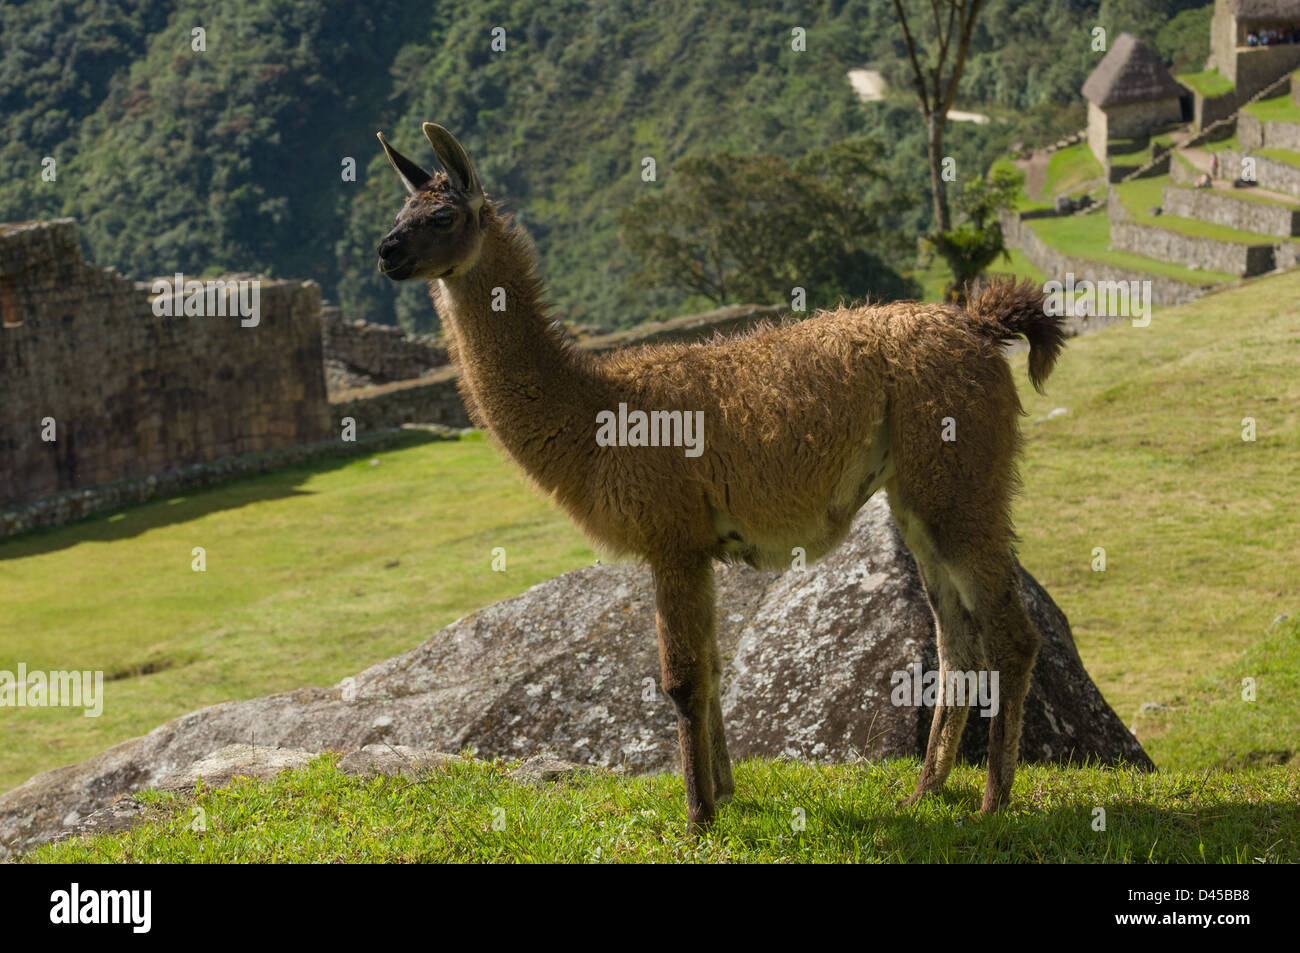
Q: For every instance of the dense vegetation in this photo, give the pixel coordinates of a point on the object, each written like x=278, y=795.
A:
x=233, y=157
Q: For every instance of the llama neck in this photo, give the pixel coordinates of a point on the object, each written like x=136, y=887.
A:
x=536, y=392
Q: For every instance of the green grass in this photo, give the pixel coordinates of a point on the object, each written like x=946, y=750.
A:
x=1278, y=109
x=1209, y=83
x=1201, y=528
x=1222, y=145
x=1289, y=156
x=1216, y=722
x=1140, y=195
x=1070, y=168
x=312, y=574
x=1088, y=236
x=784, y=812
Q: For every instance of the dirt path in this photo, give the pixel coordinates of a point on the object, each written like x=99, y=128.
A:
x=1035, y=170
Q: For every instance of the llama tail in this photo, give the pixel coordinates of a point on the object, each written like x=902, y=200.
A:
x=1005, y=309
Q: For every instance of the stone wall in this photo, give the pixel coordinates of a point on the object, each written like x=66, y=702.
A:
x=1191, y=251
x=132, y=393
x=1207, y=110
x=429, y=400
x=1259, y=66
x=1270, y=174
x=1223, y=42
x=1254, y=133
x=1097, y=136
x=1055, y=264
x=1133, y=120
x=378, y=353
x=1224, y=208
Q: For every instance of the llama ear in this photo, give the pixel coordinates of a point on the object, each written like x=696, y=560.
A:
x=456, y=162
x=412, y=175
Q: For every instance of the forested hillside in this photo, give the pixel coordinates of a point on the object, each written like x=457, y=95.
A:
x=232, y=158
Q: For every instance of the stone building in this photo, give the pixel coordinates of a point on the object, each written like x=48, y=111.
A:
x=1249, y=42
x=1130, y=94
x=97, y=386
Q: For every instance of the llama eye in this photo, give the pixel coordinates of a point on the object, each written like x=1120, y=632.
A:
x=443, y=219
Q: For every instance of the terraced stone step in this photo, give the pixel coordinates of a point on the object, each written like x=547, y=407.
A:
x=1255, y=133
x=1244, y=212
x=1079, y=245
x=1167, y=243
x=1277, y=170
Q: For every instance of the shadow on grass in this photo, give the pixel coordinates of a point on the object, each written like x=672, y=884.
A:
x=186, y=505
x=1223, y=832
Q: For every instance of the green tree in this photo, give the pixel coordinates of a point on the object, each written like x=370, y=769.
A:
x=732, y=228
x=937, y=66
x=973, y=245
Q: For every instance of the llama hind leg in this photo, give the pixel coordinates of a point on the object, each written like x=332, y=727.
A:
x=957, y=636
x=684, y=616
x=1013, y=644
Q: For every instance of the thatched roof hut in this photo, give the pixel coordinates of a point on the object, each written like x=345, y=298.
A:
x=1131, y=73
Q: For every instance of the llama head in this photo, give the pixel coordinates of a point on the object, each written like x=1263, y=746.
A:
x=439, y=231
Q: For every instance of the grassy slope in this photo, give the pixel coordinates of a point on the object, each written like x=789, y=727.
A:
x=1217, y=722
x=472, y=812
x=1278, y=109
x=297, y=590
x=1200, y=529
x=1070, y=168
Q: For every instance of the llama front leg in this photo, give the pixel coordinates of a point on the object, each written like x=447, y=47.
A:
x=684, y=616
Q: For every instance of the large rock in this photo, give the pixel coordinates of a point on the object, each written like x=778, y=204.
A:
x=570, y=669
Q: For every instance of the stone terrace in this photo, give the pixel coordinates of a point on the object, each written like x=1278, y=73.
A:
x=1172, y=222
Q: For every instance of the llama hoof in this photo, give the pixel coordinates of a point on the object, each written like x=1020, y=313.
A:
x=723, y=797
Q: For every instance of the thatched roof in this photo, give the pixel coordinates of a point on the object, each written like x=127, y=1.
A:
x=1129, y=73
x=1256, y=10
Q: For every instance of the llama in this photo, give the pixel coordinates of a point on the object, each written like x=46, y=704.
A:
x=804, y=422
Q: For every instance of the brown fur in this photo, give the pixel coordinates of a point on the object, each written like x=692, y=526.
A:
x=804, y=421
